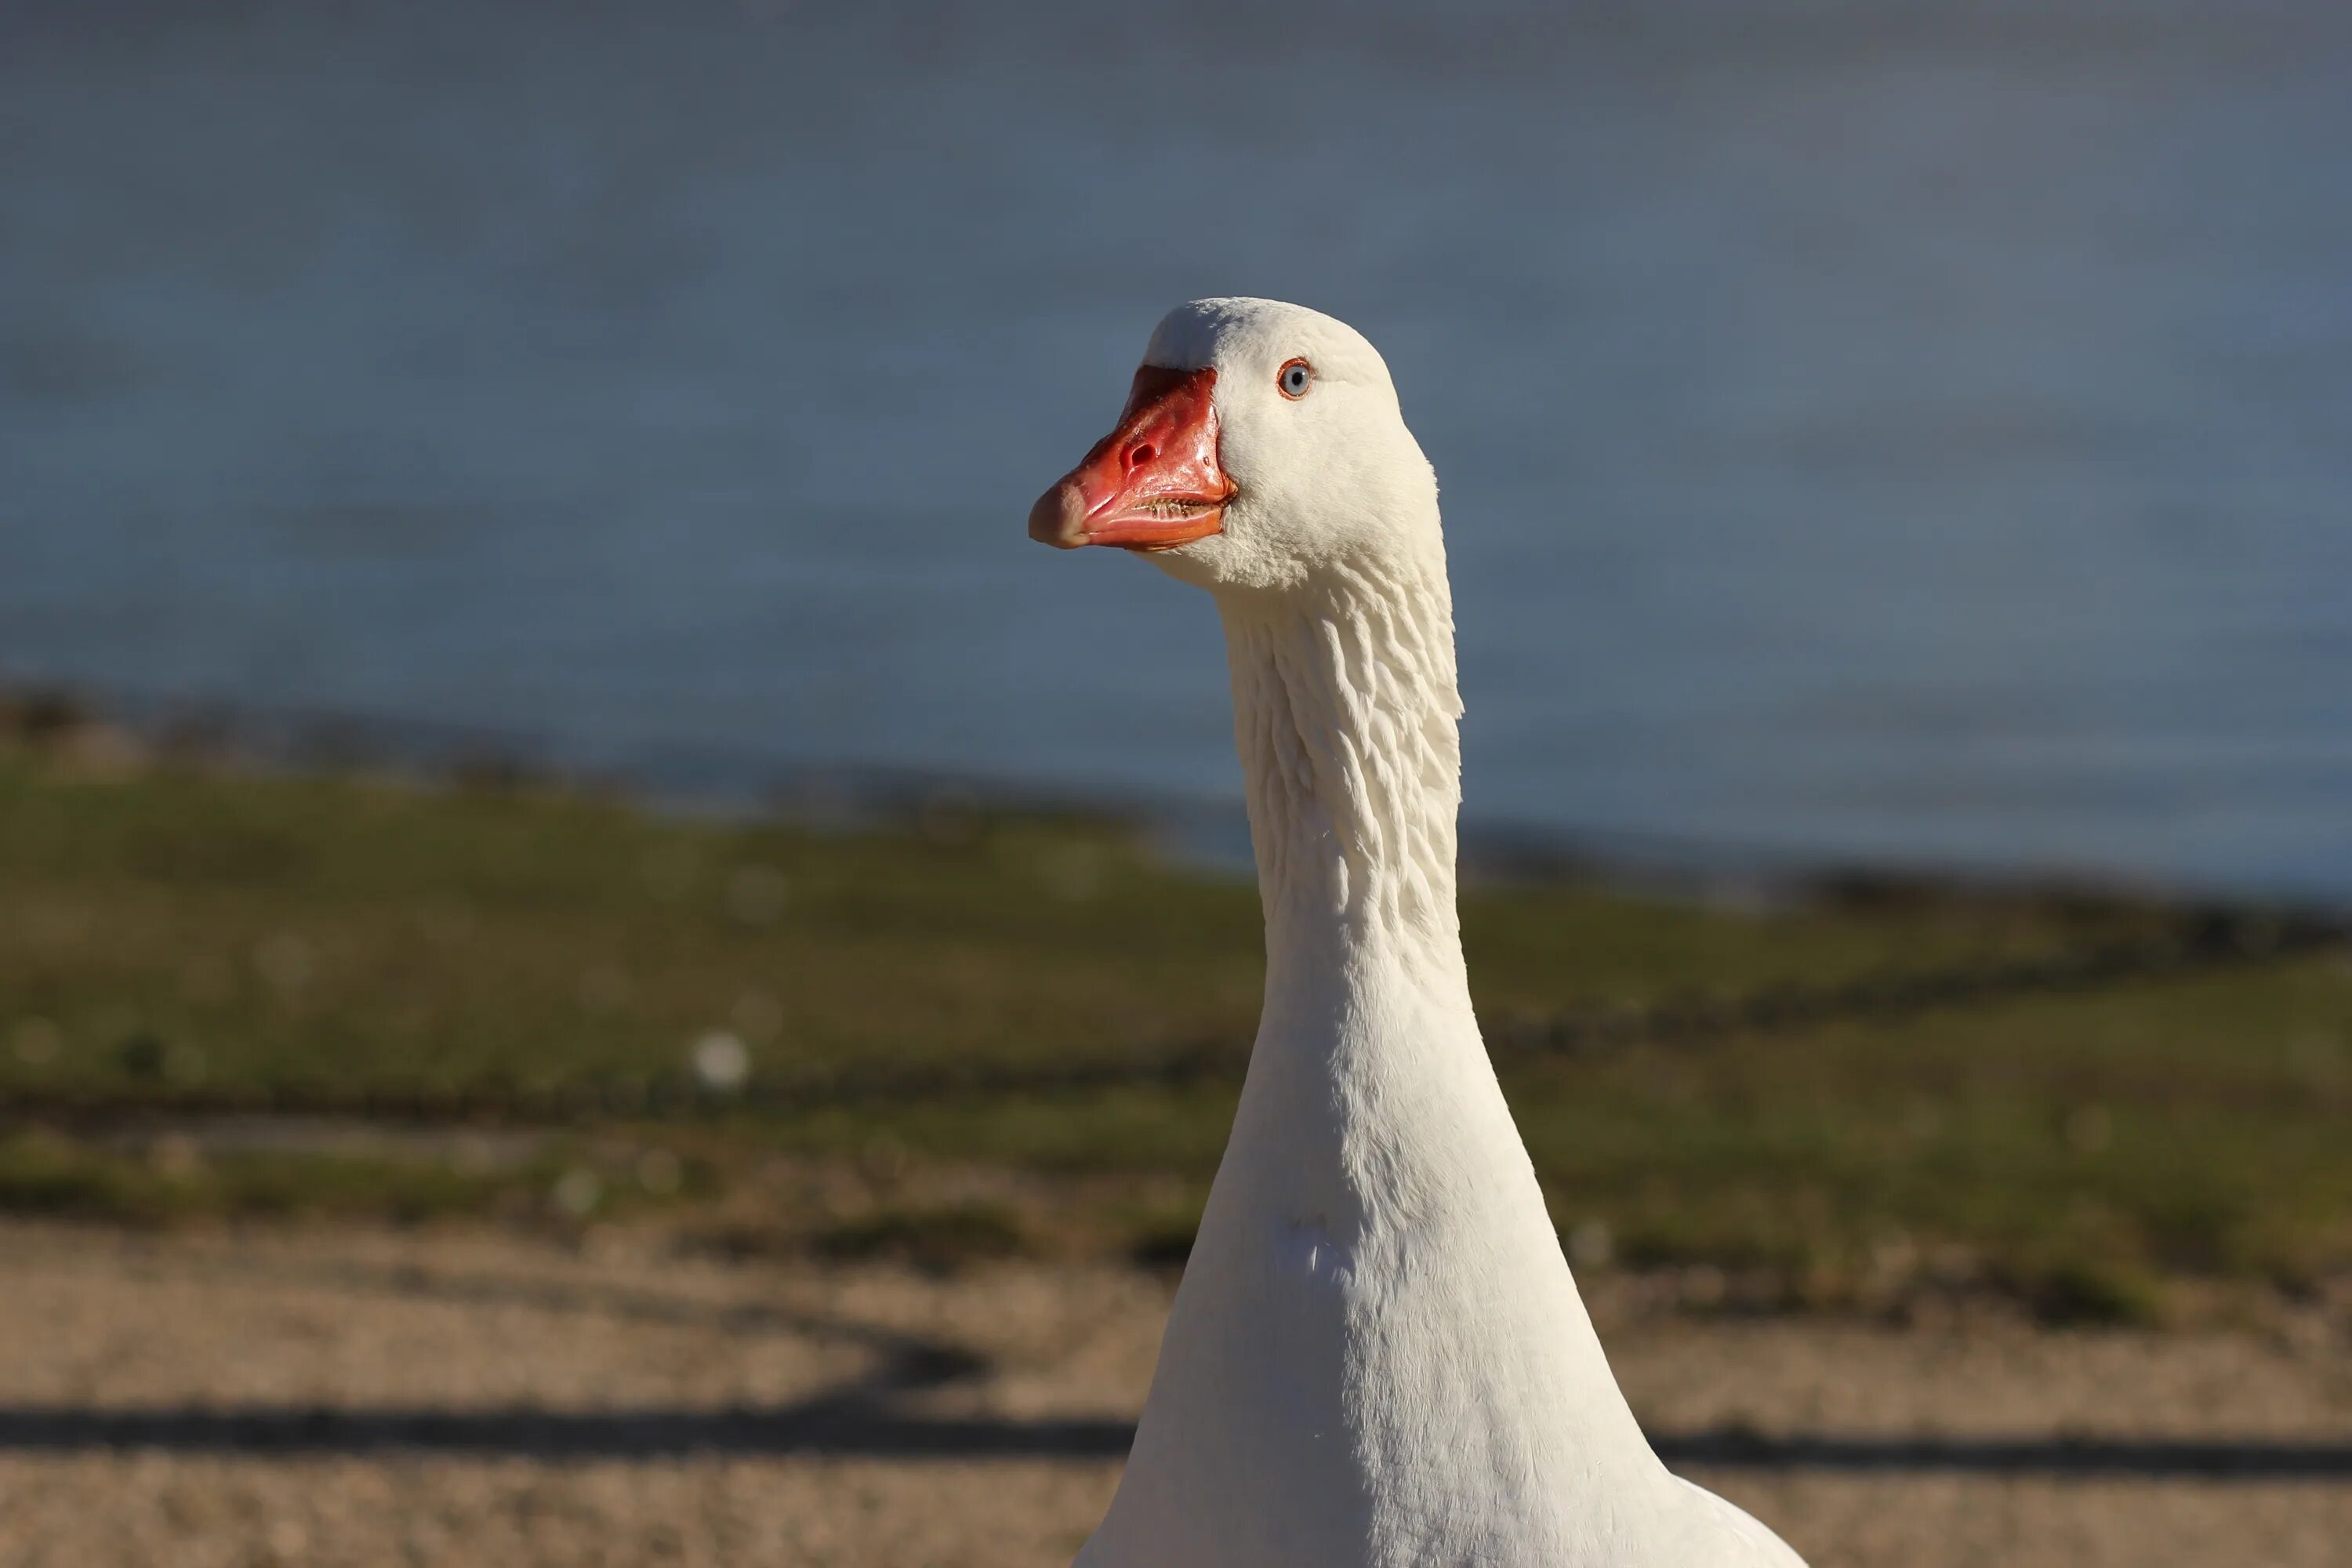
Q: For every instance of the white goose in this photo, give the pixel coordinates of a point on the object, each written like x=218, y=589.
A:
x=1377, y=1358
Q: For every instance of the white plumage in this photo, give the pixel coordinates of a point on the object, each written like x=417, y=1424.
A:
x=1377, y=1357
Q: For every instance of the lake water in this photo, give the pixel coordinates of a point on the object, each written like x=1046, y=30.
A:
x=1907, y=432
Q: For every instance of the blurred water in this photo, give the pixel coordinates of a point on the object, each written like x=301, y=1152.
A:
x=1901, y=430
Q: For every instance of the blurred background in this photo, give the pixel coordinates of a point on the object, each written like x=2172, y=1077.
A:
x=540, y=762
x=1880, y=430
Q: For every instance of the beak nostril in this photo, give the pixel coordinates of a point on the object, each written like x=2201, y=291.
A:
x=1154, y=482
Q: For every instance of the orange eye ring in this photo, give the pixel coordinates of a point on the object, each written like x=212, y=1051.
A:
x=1294, y=379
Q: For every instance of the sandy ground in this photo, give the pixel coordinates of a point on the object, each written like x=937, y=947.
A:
x=280, y=1398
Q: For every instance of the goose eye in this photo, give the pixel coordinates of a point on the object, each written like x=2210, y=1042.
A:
x=1294, y=378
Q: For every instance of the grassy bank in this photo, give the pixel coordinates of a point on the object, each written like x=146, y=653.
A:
x=1867, y=1097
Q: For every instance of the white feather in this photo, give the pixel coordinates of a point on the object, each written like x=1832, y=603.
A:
x=1378, y=1357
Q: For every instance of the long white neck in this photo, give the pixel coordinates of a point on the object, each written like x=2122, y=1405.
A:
x=1346, y=717
x=1377, y=1356
x=1371, y=1119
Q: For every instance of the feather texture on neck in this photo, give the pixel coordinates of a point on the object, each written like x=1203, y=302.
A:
x=1346, y=717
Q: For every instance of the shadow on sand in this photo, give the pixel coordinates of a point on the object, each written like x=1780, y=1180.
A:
x=854, y=1426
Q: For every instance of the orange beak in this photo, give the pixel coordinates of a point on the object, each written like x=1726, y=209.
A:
x=1154, y=483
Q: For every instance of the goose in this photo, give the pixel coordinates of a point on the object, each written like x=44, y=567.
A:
x=1377, y=1356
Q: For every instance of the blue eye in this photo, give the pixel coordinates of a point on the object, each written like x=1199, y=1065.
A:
x=1293, y=378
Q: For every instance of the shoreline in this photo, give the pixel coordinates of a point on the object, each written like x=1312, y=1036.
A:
x=740, y=785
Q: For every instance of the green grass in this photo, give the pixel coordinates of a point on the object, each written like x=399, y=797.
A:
x=174, y=932
x=47, y=1175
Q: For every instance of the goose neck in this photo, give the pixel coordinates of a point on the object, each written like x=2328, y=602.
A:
x=1346, y=717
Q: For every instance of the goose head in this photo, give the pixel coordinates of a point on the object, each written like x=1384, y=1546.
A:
x=1261, y=449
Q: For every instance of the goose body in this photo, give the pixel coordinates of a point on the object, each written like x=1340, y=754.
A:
x=1377, y=1357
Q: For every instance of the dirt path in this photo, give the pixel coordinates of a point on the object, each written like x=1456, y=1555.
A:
x=362, y=1399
